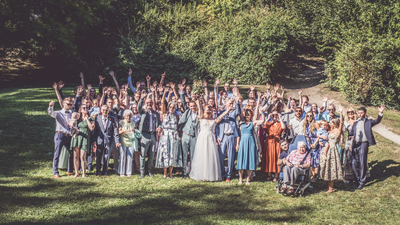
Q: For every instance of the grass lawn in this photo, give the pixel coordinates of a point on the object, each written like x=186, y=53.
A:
x=28, y=194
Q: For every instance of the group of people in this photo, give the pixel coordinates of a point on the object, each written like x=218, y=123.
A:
x=195, y=131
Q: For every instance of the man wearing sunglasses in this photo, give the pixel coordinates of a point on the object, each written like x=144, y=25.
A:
x=296, y=123
x=330, y=114
x=62, y=136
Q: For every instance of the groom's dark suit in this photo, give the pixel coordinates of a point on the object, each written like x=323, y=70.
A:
x=360, y=147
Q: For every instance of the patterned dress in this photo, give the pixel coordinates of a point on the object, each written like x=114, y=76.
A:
x=331, y=168
x=169, y=151
x=315, y=154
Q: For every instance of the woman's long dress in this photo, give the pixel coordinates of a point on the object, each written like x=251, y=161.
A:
x=348, y=173
x=247, y=154
x=331, y=168
x=315, y=154
x=271, y=149
x=169, y=151
x=206, y=164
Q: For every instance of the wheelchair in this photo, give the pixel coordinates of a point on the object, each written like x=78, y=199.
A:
x=303, y=181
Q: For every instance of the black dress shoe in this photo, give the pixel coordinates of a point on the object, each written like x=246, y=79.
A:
x=360, y=187
x=184, y=177
x=355, y=186
x=150, y=174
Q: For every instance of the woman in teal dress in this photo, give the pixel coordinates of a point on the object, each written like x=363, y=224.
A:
x=169, y=151
x=247, y=154
x=80, y=142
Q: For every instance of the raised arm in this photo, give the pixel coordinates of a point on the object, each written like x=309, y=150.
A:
x=101, y=79
x=163, y=107
x=200, y=108
x=82, y=82
x=340, y=110
x=140, y=105
x=216, y=95
x=148, y=79
x=301, y=98
x=130, y=81
x=163, y=78
x=115, y=80
x=60, y=87
x=219, y=118
x=103, y=96
x=172, y=85
x=182, y=96
x=90, y=124
x=206, y=94
x=60, y=100
x=89, y=87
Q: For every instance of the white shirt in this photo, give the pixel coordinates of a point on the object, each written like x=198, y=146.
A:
x=62, y=119
x=297, y=126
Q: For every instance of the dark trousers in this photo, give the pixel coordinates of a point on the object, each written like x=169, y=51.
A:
x=359, y=154
x=90, y=158
x=106, y=151
x=61, y=140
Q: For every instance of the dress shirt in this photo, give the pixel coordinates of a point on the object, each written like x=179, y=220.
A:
x=62, y=119
x=297, y=126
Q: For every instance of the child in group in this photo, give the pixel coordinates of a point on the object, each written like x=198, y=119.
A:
x=95, y=110
x=73, y=124
x=322, y=134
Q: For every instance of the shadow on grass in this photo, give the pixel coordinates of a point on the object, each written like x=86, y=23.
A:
x=198, y=203
x=381, y=171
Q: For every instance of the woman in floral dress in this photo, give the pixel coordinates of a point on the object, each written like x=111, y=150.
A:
x=331, y=168
x=169, y=152
x=310, y=128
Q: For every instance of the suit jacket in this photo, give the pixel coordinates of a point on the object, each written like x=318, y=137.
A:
x=186, y=122
x=105, y=135
x=144, y=114
x=368, y=131
x=232, y=121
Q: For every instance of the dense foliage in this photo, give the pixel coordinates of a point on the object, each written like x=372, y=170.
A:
x=202, y=39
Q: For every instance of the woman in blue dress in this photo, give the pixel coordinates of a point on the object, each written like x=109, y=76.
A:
x=247, y=154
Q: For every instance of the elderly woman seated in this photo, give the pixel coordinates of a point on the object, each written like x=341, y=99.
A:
x=295, y=164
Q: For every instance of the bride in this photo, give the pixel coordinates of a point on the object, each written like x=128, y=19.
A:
x=206, y=165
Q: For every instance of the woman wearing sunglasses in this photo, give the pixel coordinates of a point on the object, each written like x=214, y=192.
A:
x=80, y=143
x=310, y=128
x=272, y=149
x=350, y=118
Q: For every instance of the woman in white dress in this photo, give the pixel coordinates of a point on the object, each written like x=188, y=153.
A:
x=206, y=165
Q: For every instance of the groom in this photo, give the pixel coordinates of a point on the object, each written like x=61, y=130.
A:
x=226, y=133
x=363, y=138
x=189, y=126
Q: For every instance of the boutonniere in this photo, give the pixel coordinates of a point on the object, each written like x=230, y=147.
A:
x=109, y=119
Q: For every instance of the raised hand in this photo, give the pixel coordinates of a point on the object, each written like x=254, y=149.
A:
x=160, y=88
x=170, y=90
x=301, y=92
x=290, y=98
x=183, y=81
x=325, y=98
x=252, y=87
x=340, y=109
x=55, y=86
x=148, y=78
x=163, y=75
x=129, y=72
x=331, y=102
x=205, y=83
x=80, y=74
x=89, y=86
x=60, y=84
x=172, y=85
x=381, y=108
x=101, y=78
x=234, y=81
x=80, y=90
x=105, y=89
x=259, y=94
x=138, y=85
x=283, y=89
x=155, y=83
x=217, y=81
x=111, y=73
x=268, y=86
x=181, y=87
x=276, y=88
x=51, y=104
x=152, y=88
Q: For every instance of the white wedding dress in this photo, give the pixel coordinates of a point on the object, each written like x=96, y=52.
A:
x=206, y=165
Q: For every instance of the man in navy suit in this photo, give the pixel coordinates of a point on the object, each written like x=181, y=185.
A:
x=363, y=137
x=226, y=133
x=105, y=130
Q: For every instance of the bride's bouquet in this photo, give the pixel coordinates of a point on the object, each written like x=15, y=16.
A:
x=198, y=87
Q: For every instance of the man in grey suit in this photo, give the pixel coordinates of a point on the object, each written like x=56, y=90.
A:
x=150, y=124
x=106, y=129
x=226, y=133
x=189, y=126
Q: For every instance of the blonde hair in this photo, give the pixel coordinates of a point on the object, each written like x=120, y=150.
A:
x=324, y=122
x=312, y=124
x=346, y=117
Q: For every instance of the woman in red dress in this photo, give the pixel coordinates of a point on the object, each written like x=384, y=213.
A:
x=271, y=148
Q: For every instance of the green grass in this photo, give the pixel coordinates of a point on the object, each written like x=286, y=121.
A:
x=28, y=194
